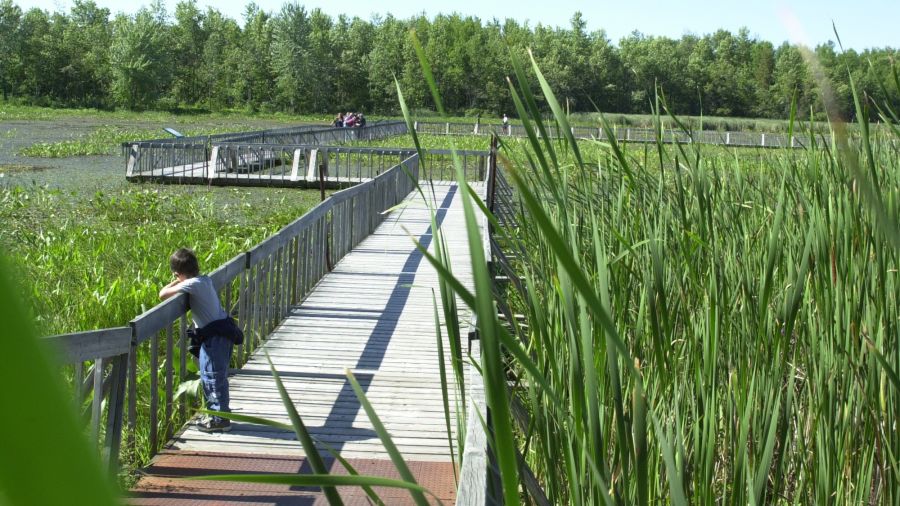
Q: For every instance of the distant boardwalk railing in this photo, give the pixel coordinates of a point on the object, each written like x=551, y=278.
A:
x=253, y=163
x=257, y=287
x=629, y=134
x=190, y=157
x=256, y=164
x=286, y=156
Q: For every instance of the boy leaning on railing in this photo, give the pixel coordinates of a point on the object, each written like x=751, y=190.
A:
x=215, y=334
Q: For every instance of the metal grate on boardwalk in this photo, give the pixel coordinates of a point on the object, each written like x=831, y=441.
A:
x=374, y=315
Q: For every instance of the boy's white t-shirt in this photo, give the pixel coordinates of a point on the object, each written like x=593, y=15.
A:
x=205, y=305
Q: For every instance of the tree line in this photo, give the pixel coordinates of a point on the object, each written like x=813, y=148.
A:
x=297, y=60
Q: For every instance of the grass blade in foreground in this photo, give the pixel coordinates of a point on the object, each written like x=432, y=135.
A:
x=495, y=388
x=278, y=425
x=45, y=458
x=388, y=443
x=320, y=480
x=444, y=388
x=309, y=447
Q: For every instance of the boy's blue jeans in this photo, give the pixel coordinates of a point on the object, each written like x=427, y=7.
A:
x=215, y=355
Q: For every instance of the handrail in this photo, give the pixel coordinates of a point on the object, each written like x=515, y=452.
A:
x=475, y=472
x=257, y=287
x=313, y=136
x=256, y=163
x=90, y=345
x=640, y=135
x=108, y=350
x=189, y=158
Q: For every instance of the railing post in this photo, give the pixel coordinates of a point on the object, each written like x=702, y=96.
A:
x=213, y=164
x=154, y=392
x=182, y=362
x=492, y=170
x=311, y=167
x=474, y=470
x=132, y=393
x=727, y=138
x=170, y=380
x=295, y=166
x=133, y=153
x=762, y=141
x=115, y=411
x=97, y=403
x=328, y=224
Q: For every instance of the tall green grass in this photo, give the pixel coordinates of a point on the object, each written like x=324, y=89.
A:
x=699, y=329
x=96, y=260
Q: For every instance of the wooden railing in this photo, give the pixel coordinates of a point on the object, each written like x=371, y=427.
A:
x=188, y=158
x=278, y=135
x=170, y=158
x=237, y=163
x=256, y=287
x=317, y=136
x=629, y=134
x=196, y=160
x=479, y=480
x=99, y=360
x=476, y=476
x=475, y=469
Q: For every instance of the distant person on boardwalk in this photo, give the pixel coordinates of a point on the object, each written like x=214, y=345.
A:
x=350, y=120
x=360, y=120
x=338, y=121
x=506, y=124
x=215, y=334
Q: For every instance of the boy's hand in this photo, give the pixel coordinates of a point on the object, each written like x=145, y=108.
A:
x=170, y=290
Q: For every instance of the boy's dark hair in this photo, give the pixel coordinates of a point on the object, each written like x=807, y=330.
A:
x=184, y=262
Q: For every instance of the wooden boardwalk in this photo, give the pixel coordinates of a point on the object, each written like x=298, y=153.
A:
x=374, y=315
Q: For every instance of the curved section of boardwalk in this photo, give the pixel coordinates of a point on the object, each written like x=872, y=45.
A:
x=374, y=315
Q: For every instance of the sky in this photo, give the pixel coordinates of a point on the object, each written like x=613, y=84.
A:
x=861, y=24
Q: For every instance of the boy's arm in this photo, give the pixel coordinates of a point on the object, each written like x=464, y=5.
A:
x=170, y=290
